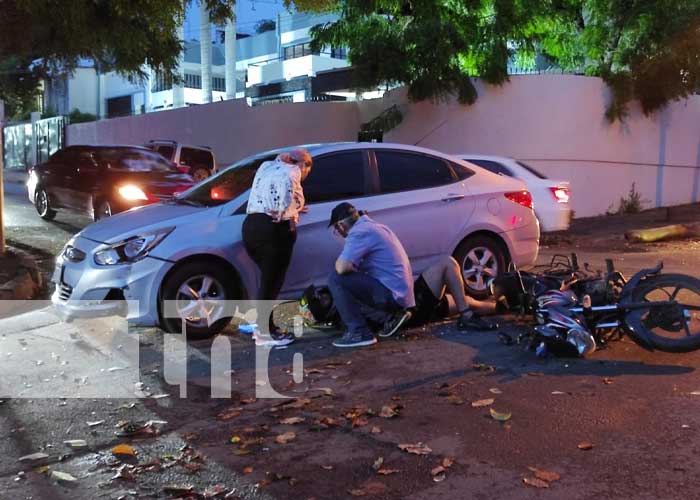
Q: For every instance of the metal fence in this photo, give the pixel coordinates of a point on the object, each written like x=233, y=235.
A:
x=48, y=135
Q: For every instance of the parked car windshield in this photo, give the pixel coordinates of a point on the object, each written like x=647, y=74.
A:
x=227, y=185
x=531, y=170
x=134, y=160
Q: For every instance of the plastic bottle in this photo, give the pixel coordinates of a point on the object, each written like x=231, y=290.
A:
x=541, y=350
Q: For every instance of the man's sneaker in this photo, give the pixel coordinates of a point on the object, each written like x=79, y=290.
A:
x=392, y=325
x=354, y=340
x=275, y=339
x=469, y=320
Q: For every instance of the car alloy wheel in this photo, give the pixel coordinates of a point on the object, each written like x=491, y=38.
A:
x=481, y=258
x=200, y=300
x=199, y=174
x=41, y=202
x=104, y=210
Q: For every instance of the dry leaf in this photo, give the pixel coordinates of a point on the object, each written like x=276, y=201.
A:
x=585, y=446
x=247, y=470
x=455, y=400
x=327, y=467
x=359, y=422
x=495, y=390
x=378, y=463
x=62, y=476
x=558, y=393
x=416, y=449
x=607, y=381
x=695, y=393
x=376, y=430
x=240, y=452
x=123, y=449
x=235, y=439
x=437, y=470
x=33, y=457
x=482, y=402
x=285, y=438
x=292, y=420
x=296, y=404
x=501, y=417
x=388, y=412
x=545, y=475
x=447, y=462
x=75, y=443
x=483, y=367
x=371, y=488
x=248, y=401
x=229, y=414
x=537, y=483
x=386, y=472
x=439, y=478
x=309, y=371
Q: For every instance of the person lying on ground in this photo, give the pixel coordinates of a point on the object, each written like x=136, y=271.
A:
x=372, y=279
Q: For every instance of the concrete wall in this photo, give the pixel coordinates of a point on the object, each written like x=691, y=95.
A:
x=556, y=124
x=553, y=122
x=82, y=91
x=232, y=128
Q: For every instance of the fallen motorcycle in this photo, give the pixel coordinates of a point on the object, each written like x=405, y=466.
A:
x=577, y=309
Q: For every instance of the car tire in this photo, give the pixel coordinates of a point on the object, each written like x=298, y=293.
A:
x=480, y=258
x=199, y=173
x=43, y=205
x=195, y=276
x=102, y=210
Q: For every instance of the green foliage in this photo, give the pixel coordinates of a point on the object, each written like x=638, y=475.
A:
x=43, y=37
x=644, y=50
x=633, y=204
x=384, y=121
x=76, y=116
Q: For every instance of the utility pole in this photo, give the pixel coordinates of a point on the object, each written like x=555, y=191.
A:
x=2, y=186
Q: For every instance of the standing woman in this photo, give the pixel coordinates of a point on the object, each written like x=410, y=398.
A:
x=269, y=230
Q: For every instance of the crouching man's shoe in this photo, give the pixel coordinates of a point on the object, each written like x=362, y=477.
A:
x=355, y=340
x=469, y=320
x=394, y=323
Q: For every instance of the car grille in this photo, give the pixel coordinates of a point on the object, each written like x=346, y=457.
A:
x=64, y=291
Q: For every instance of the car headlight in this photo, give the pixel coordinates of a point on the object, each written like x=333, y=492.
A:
x=131, y=249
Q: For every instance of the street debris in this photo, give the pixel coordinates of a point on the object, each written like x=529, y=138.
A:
x=416, y=449
x=123, y=449
x=370, y=488
x=285, y=438
x=378, y=463
x=75, y=443
x=482, y=402
x=501, y=417
x=375, y=430
x=247, y=470
x=483, y=367
x=229, y=414
x=178, y=490
x=545, y=475
x=292, y=420
x=95, y=423
x=390, y=411
x=585, y=446
x=537, y=483
x=34, y=457
x=662, y=233
x=139, y=430
x=495, y=390
x=62, y=477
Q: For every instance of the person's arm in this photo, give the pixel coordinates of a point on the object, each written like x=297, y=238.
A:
x=354, y=251
x=297, y=191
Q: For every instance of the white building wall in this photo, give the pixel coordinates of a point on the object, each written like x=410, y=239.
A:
x=82, y=91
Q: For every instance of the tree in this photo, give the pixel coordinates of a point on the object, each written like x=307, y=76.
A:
x=644, y=50
x=265, y=25
x=44, y=37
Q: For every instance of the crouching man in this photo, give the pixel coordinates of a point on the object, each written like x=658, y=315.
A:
x=372, y=279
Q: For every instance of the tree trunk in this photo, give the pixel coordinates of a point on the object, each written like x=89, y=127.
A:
x=230, y=56
x=205, y=50
x=178, y=87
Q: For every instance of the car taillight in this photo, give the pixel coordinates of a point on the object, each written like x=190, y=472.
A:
x=560, y=193
x=523, y=198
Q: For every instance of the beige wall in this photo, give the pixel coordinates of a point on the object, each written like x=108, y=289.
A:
x=232, y=128
x=82, y=91
x=555, y=122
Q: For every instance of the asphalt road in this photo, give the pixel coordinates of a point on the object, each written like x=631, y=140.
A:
x=81, y=381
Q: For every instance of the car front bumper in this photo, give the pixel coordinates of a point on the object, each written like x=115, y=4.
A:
x=87, y=290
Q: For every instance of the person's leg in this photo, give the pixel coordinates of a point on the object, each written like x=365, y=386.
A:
x=355, y=295
x=446, y=273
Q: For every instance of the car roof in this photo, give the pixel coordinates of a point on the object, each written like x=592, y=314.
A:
x=168, y=142
x=484, y=157
x=105, y=146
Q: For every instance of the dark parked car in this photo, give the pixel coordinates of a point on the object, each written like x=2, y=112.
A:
x=103, y=180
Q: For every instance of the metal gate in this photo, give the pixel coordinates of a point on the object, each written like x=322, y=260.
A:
x=19, y=139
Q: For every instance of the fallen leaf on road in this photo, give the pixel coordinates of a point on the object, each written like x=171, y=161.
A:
x=247, y=470
x=235, y=439
x=296, y=404
x=248, y=401
x=309, y=371
x=33, y=457
x=95, y=423
x=123, y=449
x=359, y=422
x=607, y=381
x=447, y=462
x=160, y=396
x=329, y=421
x=537, y=483
x=439, y=478
x=416, y=449
x=124, y=472
x=455, y=400
x=62, y=476
x=495, y=390
x=178, y=490
x=327, y=467
x=228, y=414
x=75, y=443
x=214, y=491
x=501, y=417
x=126, y=406
x=483, y=367
x=285, y=438
x=482, y=402
x=42, y=470
x=292, y=420
x=378, y=463
x=388, y=411
x=535, y=374
x=545, y=475
x=371, y=488
x=585, y=446
x=558, y=393
x=437, y=470
x=376, y=430
x=240, y=452
x=387, y=472
x=695, y=393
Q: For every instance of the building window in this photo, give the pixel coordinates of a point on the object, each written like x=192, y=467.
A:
x=162, y=82
x=298, y=50
x=218, y=83
x=193, y=81
x=339, y=52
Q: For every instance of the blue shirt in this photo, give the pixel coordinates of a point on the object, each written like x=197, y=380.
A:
x=375, y=250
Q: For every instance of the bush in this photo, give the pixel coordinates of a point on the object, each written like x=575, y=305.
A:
x=77, y=116
x=633, y=204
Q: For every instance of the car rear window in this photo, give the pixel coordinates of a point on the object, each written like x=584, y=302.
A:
x=196, y=158
x=491, y=166
x=531, y=170
x=134, y=160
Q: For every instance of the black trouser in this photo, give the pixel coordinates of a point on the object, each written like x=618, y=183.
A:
x=270, y=245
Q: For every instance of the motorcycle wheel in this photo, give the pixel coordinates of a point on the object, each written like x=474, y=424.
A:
x=673, y=328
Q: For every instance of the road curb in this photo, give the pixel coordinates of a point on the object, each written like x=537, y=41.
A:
x=27, y=282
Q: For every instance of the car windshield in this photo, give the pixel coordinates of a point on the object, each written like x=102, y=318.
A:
x=532, y=170
x=227, y=185
x=134, y=160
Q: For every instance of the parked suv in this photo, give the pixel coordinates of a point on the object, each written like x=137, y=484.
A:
x=197, y=161
x=189, y=251
x=102, y=180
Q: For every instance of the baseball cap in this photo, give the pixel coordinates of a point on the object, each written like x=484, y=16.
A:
x=342, y=211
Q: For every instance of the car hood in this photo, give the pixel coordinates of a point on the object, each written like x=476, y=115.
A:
x=144, y=219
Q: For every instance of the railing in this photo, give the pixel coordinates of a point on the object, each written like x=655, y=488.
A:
x=48, y=135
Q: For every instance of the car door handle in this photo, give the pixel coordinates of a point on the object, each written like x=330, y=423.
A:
x=453, y=197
